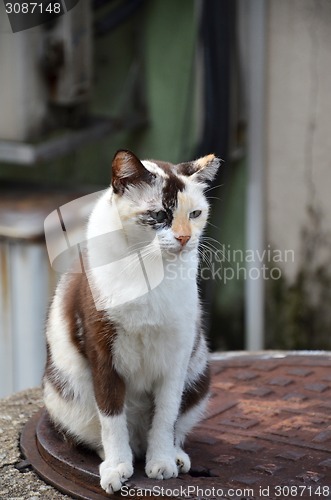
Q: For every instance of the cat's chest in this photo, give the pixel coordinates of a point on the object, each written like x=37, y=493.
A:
x=170, y=306
x=152, y=337
x=142, y=357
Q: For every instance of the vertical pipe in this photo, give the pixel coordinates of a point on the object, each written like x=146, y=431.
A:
x=255, y=208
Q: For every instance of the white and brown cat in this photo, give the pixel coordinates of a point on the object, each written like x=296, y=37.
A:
x=130, y=378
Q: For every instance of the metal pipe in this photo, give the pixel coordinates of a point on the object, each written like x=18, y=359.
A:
x=255, y=205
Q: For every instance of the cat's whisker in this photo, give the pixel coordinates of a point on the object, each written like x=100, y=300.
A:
x=213, y=198
x=206, y=253
x=213, y=187
x=212, y=225
x=211, y=245
x=130, y=267
x=220, y=247
x=212, y=239
x=205, y=259
x=134, y=265
x=138, y=246
x=211, y=267
x=214, y=251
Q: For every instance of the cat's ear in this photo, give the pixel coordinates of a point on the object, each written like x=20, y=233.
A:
x=203, y=170
x=128, y=170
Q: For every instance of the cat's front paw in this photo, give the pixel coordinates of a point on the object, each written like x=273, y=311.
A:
x=163, y=468
x=113, y=477
x=183, y=461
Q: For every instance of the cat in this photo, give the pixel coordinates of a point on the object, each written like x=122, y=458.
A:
x=127, y=372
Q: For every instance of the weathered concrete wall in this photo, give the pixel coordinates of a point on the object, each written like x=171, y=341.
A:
x=298, y=125
x=298, y=171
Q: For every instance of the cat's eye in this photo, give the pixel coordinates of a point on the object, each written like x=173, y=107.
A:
x=195, y=214
x=159, y=216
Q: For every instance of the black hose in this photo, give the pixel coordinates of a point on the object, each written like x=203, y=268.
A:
x=216, y=35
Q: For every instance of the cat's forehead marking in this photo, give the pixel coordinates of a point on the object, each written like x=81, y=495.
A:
x=172, y=183
x=172, y=186
x=155, y=169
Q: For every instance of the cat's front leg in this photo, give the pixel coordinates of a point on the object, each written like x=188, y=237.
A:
x=110, y=390
x=161, y=451
x=117, y=465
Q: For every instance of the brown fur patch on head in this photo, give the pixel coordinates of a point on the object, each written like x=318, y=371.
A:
x=127, y=170
x=203, y=169
x=173, y=185
x=166, y=166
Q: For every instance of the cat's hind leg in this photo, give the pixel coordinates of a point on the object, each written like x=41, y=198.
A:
x=194, y=401
x=79, y=422
x=184, y=425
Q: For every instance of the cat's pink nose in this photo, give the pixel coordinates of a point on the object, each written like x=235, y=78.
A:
x=183, y=239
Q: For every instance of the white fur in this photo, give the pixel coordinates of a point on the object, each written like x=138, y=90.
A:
x=155, y=334
x=117, y=466
x=154, y=168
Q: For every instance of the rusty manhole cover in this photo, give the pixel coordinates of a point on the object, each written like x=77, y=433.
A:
x=267, y=435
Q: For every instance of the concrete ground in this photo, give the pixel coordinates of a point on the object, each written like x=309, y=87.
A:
x=15, y=485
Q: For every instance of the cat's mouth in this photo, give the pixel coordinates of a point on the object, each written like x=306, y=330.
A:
x=177, y=249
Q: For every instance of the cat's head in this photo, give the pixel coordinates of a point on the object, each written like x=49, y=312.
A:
x=159, y=198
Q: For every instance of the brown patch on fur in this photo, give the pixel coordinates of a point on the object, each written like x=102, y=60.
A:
x=193, y=394
x=127, y=169
x=187, y=168
x=167, y=167
x=94, y=342
x=204, y=168
x=190, y=168
x=172, y=186
x=57, y=379
x=74, y=309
